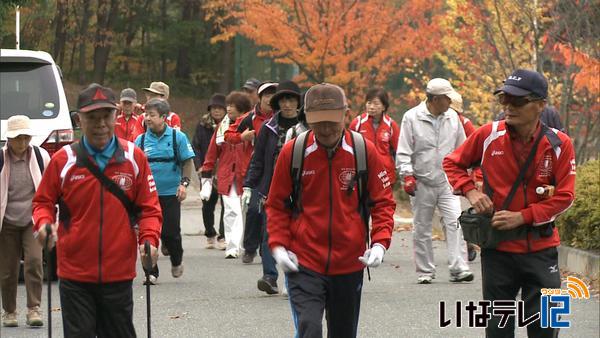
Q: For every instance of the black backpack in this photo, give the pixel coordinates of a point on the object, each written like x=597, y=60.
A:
x=38, y=157
x=174, y=159
x=360, y=179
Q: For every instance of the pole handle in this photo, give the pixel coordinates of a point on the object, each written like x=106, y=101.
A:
x=147, y=260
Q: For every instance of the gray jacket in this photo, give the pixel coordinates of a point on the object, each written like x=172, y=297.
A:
x=422, y=146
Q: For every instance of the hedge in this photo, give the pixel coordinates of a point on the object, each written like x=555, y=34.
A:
x=579, y=227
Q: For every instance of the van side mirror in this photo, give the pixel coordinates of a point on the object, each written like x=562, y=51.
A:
x=74, y=119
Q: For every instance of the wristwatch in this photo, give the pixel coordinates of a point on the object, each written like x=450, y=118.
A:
x=185, y=181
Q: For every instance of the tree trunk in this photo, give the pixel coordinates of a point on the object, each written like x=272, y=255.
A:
x=163, y=56
x=183, y=67
x=60, y=33
x=87, y=14
x=106, y=18
x=225, y=84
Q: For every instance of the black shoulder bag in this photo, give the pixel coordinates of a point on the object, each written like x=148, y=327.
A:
x=477, y=228
x=133, y=210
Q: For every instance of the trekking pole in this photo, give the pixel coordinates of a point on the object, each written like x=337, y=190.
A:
x=147, y=264
x=49, y=280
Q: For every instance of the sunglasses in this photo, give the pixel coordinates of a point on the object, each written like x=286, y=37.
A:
x=516, y=101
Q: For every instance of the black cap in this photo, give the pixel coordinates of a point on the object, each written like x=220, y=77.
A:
x=251, y=84
x=217, y=99
x=96, y=97
x=285, y=88
x=524, y=82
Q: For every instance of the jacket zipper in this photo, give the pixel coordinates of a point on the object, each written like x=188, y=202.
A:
x=100, y=237
x=330, y=214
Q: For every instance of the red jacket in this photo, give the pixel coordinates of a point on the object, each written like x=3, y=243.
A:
x=554, y=163
x=252, y=120
x=385, y=139
x=95, y=240
x=467, y=124
x=329, y=235
x=233, y=160
x=128, y=129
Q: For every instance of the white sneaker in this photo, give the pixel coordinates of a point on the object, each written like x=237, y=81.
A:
x=177, y=271
x=210, y=242
x=464, y=276
x=424, y=279
x=152, y=280
x=231, y=254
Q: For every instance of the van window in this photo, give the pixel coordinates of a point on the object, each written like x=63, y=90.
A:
x=28, y=89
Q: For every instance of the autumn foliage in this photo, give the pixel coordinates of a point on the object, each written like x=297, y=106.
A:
x=355, y=44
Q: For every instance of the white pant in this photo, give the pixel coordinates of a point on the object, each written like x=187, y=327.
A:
x=423, y=204
x=233, y=221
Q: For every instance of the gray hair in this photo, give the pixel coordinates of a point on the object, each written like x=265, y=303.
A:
x=161, y=106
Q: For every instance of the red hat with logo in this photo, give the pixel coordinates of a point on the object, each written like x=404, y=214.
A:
x=96, y=97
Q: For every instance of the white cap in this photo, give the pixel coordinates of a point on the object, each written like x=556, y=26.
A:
x=263, y=86
x=18, y=125
x=457, y=101
x=439, y=86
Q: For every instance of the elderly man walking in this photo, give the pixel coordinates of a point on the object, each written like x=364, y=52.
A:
x=429, y=132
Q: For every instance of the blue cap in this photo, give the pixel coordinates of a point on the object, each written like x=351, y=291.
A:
x=524, y=82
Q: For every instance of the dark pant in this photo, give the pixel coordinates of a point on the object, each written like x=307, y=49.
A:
x=171, y=230
x=90, y=309
x=254, y=224
x=504, y=274
x=268, y=262
x=208, y=216
x=311, y=293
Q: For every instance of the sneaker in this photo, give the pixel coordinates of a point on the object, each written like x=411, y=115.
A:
x=151, y=280
x=164, y=250
x=424, y=279
x=248, y=257
x=210, y=242
x=464, y=276
x=177, y=271
x=221, y=245
x=472, y=253
x=34, y=317
x=231, y=255
x=268, y=284
x=10, y=319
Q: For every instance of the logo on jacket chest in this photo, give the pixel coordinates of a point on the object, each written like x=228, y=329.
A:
x=345, y=177
x=124, y=180
x=385, y=136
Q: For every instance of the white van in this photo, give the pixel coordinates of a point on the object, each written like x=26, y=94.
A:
x=30, y=84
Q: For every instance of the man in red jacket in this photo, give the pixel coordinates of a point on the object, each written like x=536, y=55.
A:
x=97, y=242
x=527, y=260
x=320, y=244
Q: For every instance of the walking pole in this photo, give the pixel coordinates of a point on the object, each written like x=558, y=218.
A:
x=48, y=268
x=147, y=264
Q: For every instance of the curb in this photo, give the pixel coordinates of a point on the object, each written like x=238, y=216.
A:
x=579, y=261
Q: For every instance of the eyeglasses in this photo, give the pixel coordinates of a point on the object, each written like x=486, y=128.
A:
x=516, y=101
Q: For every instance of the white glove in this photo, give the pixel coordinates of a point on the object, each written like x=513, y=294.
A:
x=206, y=190
x=246, y=196
x=287, y=260
x=373, y=257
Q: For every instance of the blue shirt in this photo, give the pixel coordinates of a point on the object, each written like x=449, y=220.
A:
x=167, y=174
x=101, y=156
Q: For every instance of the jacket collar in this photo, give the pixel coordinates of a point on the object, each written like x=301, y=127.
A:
x=423, y=113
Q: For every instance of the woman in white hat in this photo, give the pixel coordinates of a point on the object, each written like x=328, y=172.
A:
x=21, y=171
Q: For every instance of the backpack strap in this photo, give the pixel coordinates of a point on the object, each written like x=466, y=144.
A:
x=296, y=173
x=142, y=141
x=39, y=158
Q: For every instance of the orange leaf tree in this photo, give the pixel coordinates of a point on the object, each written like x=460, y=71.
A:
x=355, y=44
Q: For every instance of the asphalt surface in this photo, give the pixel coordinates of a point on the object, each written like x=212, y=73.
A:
x=216, y=297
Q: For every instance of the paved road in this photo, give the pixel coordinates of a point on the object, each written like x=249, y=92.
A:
x=218, y=298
